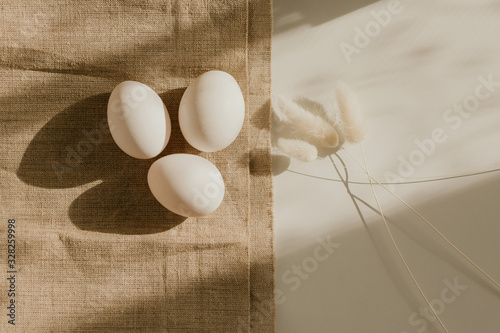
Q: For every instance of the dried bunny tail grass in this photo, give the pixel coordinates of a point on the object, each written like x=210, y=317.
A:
x=298, y=149
x=308, y=125
x=276, y=110
x=353, y=125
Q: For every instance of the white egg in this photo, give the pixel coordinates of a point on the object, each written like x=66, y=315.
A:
x=186, y=184
x=138, y=120
x=212, y=111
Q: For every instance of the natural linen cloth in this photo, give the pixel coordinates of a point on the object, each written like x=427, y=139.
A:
x=95, y=252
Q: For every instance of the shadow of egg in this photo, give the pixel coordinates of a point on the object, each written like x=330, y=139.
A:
x=73, y=148
x=122, y=206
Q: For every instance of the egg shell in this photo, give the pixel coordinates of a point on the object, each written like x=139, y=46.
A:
x=186, y=184
x=212, y=111
x=138, y=120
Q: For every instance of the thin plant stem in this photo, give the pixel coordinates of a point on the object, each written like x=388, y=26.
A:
x=403, y=183
x=395, y=244
x=428, y=223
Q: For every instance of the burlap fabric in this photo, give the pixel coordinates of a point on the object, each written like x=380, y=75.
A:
x=94, y=251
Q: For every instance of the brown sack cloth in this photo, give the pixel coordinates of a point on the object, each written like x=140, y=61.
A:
x=94, y=251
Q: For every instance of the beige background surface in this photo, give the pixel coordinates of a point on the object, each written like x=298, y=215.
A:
x=425, y=60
